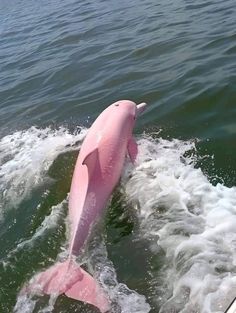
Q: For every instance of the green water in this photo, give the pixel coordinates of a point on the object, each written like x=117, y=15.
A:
x=61, y=64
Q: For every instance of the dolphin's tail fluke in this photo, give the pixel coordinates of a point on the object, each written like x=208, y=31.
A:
x=70, y=279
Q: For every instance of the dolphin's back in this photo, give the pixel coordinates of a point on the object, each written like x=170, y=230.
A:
x=96, y=173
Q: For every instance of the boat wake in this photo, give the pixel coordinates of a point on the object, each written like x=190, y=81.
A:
x=188, y=223
x=26, y=156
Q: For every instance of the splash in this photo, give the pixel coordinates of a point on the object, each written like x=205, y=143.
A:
x=32, y=153
x=123, y=299
x=180, y=213
x=25, y=157
x=191, y=221
x=24, y=304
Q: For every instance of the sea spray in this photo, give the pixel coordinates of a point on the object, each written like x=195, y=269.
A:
x=25, y=157
x=192, y=221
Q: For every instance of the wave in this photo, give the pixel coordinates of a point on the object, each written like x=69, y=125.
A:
x=26, y=156
x=188, y=220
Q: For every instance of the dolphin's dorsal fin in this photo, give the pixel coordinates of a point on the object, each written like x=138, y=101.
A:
x=90, y=161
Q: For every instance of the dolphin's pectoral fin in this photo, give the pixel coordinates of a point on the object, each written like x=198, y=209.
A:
x=90, y=161
x=132, y=149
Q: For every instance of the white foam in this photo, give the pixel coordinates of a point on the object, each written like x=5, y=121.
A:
x=192, y=221
x=24, y=304
x=123, y=299
x=25, y=157
x=183, y=215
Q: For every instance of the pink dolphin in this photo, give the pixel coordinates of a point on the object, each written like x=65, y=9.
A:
x=97, y=171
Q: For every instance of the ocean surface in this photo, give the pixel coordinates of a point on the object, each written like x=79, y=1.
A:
x=167, y=242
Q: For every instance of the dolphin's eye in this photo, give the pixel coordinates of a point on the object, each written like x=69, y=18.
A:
x=117, y=104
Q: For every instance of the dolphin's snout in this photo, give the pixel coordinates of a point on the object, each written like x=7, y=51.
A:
x=141, y=107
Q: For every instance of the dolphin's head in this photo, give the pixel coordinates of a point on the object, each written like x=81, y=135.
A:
x=130, y=107
x=120, y=118
x=126, y=112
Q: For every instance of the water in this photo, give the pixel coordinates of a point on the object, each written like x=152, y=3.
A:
x=167, y=242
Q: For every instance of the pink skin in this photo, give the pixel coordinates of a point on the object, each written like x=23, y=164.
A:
x=97, y=171
x=94, y=178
